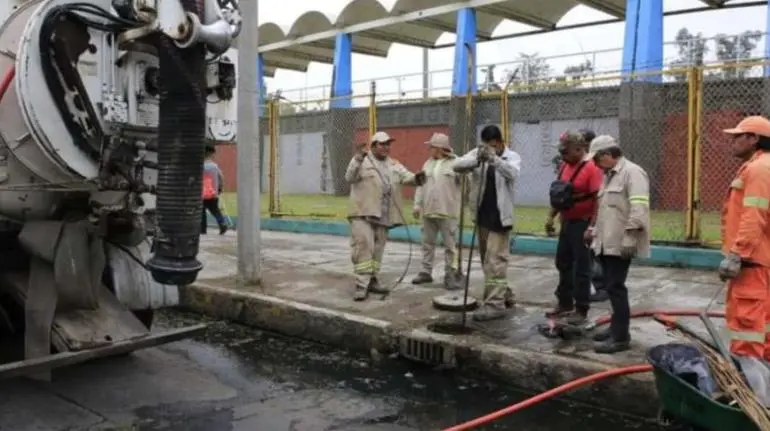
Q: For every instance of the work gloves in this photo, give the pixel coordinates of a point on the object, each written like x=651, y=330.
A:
x=628, y=246
x=484, y=154
x=419, y=178
x=729, y=267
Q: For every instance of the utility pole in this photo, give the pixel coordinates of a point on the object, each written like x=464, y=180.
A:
x=248, y=151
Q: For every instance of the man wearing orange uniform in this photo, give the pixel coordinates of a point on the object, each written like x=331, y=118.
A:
x=746, y=240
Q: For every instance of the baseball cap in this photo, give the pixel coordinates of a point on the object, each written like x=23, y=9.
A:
x=601, y=143
x=571, y=137
x=439, y=140
x=381, y=137
x=588, y=134
x=755, y=124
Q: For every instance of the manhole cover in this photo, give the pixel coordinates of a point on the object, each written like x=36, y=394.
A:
x=454, y=302
x=450, y=328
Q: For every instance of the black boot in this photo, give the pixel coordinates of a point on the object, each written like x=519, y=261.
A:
x=600, y=296
x=423, y=278
x=611, y=346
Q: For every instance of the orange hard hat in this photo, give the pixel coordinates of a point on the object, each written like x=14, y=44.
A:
x=755, y=125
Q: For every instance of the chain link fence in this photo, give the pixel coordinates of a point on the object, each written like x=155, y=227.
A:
x=726, y=94
x=308, y=154
x=668, y=122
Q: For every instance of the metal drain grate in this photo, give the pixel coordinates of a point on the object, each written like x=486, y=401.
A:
x=427, y=352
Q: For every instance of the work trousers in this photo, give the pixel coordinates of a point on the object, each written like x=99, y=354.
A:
x=615, y=269
x=212, y=206
x=367, y=245
x=431, y=228
x=495, y=251
x=747, y=310
x=573, y=260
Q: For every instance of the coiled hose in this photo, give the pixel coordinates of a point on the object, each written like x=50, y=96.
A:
x=181, y=134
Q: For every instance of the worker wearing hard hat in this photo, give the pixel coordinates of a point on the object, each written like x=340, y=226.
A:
x=621, y=233
x=375, y=206
x=746, y=240
x=438, y=203
x=494, y=170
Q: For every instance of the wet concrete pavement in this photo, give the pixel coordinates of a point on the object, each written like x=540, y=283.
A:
x=315, y=270
x=235, y=378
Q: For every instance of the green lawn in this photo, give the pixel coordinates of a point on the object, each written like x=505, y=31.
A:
x=667, y=225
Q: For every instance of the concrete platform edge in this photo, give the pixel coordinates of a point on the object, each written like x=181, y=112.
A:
x=680, y=257
x=529, y=370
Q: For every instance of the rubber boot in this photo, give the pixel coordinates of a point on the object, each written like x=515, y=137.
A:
x=422, y=278
x=375, y=287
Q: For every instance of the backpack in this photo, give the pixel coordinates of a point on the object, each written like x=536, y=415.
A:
x=562, y=192
x=209, y=190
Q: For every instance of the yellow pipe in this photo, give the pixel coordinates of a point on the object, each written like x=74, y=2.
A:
x=504, y=118
x=697, y=153
x=691, y=96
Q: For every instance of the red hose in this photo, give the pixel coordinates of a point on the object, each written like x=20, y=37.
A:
x=651, y=313
x=633, y=369
x=588, y=379
x=5, y=84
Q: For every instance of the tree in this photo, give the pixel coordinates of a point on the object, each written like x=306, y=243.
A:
x=732, y=50
x=574, y=74
x=691, y=51
x=533, y=72
x=489, y=85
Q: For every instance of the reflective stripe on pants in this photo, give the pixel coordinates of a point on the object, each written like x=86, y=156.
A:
x=746, y=312
x=367, y=245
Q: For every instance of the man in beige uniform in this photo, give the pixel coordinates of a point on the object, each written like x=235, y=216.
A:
x=621, y=233
x=494, y=168
x=438, y=203
x=375, y=206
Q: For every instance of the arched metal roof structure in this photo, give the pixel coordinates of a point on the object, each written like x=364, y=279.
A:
x=377, y=24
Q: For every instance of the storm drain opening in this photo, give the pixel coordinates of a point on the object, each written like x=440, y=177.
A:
x=426, y=352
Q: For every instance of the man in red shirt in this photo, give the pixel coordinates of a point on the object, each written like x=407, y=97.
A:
x=573, y=257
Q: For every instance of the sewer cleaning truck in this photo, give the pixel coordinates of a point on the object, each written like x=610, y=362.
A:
x=103, y=122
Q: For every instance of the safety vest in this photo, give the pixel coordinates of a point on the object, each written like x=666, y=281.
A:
x=209, y=186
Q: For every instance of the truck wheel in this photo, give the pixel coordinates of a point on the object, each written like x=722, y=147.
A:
x=145, y=316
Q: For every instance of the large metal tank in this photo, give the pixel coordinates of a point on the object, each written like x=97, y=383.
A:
x=39, y=160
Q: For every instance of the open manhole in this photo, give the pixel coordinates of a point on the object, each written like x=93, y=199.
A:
x=450, y=328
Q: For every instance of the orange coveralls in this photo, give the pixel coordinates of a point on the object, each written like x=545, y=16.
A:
x=746, y=232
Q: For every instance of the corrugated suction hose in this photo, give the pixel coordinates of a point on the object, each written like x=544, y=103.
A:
x=181, y=134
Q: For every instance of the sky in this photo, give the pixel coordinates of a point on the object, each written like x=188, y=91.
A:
x=600, y=44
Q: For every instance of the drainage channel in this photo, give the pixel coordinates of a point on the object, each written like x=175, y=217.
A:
x=433, y=352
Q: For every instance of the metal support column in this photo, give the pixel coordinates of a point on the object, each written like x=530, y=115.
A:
x=643, y=44
x=466, y=37
x=261, y=85
x=248, y=149
x=342, y=74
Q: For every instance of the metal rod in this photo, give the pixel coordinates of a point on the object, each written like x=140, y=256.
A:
x=248, y=148
x=469, y=128
x=58, y=360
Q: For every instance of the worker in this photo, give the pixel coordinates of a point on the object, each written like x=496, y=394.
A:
x=746, y=240
x=375, y=207
x=494, y=170
x=437, y=202
x=574, y=199
x=621, y=233
x=597, y=282
x=213, y=183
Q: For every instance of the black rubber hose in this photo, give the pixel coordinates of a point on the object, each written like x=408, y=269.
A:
x=181, y=134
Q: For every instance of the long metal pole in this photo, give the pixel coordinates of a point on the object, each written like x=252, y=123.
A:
x=248, y=148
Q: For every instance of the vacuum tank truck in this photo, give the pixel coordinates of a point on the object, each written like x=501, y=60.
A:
x=102, y=126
